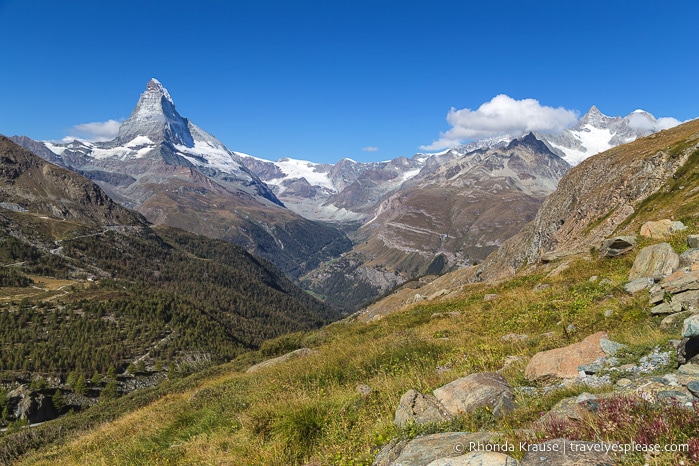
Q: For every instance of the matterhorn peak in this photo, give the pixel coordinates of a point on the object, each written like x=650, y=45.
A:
x=155, y=86
x=155, y=117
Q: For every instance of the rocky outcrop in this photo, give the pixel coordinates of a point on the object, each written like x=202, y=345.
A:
x=617, y=246
x=656, y=261
x=661, y=229
x=414, y=407
x=564, y=363
x=482, y=390
x=594, y=198
x=30, y=405
x=423, y=450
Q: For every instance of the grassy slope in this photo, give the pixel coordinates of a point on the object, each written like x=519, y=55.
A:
x=308, y=409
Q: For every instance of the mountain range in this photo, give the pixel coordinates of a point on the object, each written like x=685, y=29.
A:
x=348, y=231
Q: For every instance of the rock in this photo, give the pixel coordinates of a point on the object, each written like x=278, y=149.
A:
x=673, y=320
x=593, y=278
x=693, y=241
x=420, y=409
x=693, y=387
x=689, y=258
x=423, y=450
x=624, y=382
x=514, y=337
x=689, y=369
x=617, y=246
x=302, y=352
x=687, y=350
x=32, y=406
x=680, y=282
x=563, y=363
x=656, y=261
x=639, y=284
x=673, y=307
x=438, y=294
x=485, y=389
x=609, y=313
x=661, y=228
x=490, y=297
x=477, y=458
x=363, y=390
x=690, y=327
x=561, y=452
x=610, y=347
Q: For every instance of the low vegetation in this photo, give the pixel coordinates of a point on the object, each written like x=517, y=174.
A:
x=309, y=410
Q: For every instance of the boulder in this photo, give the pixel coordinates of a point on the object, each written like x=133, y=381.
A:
x=690, y=327
x=477, y=458
x=661, y=228
x=562, y=452
x=673, y=307
x=689, y=258
x=656, y=261
x=617, y=246
x=563, y=363
x=421, y=451
x=420, y=409
x=687, y=350
x=640, y=284
x=486, y=389
x=693, y=241
x=31, y=405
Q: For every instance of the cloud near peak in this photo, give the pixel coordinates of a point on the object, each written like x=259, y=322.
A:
x=502, y=115
x=96, y=131
x=370, y=149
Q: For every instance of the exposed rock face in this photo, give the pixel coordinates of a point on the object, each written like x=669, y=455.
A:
x=32, y=406
x=480, y=390
x=423, y=450
x=420, y=409
x=563, y=363
x=617, y=246
x=656, y=261
x=561, y=452
x=594, y=198
x=661, y=228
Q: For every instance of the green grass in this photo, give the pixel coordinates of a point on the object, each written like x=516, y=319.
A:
x=308, y=409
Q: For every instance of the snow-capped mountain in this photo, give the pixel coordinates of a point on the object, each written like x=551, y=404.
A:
x=175, y=173
x=596, y=132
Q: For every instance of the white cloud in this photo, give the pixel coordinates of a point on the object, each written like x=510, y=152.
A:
x=370, y=149
x=96, y=131
x=639, y=120
x=502, y=115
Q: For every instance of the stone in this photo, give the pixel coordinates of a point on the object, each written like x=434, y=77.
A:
x=624, y=382
x=693, y=241
x=689, y=257
x=477, y=458
x=673, y=307
x=661, y=228
x=438, y=294
x=609, y=313
x=687, y=350
x=693, y=387
x=690, y=327
x=32, y=406
x=541, y=287
x=613, y=247
x=610, y=347
x=490, y=297
x=421, y=451
x=639, y=284
x=673, y=320
x=563, y=363
x=656, y=261
x=363, y=390
x=562, y=452
x=514, y=337
x=484, y=389
x=680, y=282
x=689, y=369
x=420, y=409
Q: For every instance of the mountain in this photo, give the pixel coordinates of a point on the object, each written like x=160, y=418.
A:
x=343, y=193
x=174, y=173
x=87, y=284
x=596, y=132
x=453, y=213
x=605, y=195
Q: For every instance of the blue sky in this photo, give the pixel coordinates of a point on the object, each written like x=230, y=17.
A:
x=323, y=80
